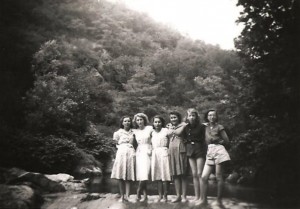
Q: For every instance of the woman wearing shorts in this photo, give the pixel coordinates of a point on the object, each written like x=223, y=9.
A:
x=215, y=137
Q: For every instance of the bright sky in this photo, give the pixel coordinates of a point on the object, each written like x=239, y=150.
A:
x=212, y=21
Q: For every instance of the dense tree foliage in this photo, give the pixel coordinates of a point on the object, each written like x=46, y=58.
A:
x=269, y=45
x=84, y=63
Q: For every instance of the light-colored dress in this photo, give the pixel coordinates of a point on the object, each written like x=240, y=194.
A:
x=143, y=153
x=124, y=165
x=177, y=149
x=160, y=164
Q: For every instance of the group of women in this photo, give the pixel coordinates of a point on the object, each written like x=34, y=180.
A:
x=164, y=152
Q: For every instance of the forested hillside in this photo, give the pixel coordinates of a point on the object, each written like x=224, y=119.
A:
x=71, y=68
x=84, y=63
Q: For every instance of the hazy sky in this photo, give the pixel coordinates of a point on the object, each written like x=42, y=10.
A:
x=212, y=21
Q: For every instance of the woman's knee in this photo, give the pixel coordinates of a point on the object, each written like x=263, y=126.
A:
x=199, y=174
x=204, y=178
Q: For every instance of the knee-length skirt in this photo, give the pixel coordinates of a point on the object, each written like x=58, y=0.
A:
x=160, y=164
x=143, y=162
x=124, y=165
x=178, y=158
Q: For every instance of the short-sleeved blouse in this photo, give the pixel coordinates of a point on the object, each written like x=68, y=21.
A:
x=160, y=139
x=143, y=136
x=122, y=136
x=213, y=134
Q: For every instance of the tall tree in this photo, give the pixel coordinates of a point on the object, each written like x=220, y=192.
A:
x=270, y=99
x=271, y=44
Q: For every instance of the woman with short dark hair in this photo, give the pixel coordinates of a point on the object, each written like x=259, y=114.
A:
x=178, y=158
x=160, y=165
x=216, y=137
x=124, y=165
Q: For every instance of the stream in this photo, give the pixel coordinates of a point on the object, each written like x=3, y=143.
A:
x=261, y=197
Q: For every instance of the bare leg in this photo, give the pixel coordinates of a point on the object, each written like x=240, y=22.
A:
x=166, y=190
x=144, y=189
x=121, y=188
x=184, y=187
x=177, y=182
x=127, y=189
x=204, y=184
x=196, y=182
x=200, y=165
x=160, y=190
x=219, y=176
x=139, y=190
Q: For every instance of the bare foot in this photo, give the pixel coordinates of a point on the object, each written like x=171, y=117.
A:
x=184, y=200
x=144, y=199
x=218, y=204
x=178, y=199
x=195, y=199
x=201, y=202
x=122, y=199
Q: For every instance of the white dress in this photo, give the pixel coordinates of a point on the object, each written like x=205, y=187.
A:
x=124, y=165
x=160, y=164
x=143, y=153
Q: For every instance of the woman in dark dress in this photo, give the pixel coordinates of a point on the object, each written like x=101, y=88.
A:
x=178, y=158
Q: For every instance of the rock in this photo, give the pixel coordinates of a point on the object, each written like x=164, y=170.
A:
x=19, y=196
x=74, y=186
x=8, y=175
x=61, y=177
x=39, y=181
x=87, y=167
x=233, y=178
x=91, y=196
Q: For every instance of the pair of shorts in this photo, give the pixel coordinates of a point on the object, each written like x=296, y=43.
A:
x=196, y=150
x=216, y=154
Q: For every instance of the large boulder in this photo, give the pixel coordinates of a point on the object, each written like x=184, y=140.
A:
x=68, y=182
x=16, y=176
x=60, y=177
x=19, y=196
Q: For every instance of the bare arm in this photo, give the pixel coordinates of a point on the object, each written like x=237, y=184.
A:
x=224, y=136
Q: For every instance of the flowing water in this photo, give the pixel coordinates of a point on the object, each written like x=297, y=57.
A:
x=262, y=198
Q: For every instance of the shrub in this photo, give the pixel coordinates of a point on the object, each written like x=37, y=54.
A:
x=47, y=154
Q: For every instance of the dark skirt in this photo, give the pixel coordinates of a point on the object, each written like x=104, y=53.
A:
x=178, y=158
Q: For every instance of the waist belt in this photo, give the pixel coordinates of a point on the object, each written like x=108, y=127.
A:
x=193, y=142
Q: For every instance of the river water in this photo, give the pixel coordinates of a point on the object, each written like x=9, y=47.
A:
x=261, y=197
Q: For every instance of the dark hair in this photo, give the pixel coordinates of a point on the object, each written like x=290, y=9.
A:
x=190, y=111
x=142, y=115
x=177, y=114
x=211, y=110
x=122, y=119
x=163, y=122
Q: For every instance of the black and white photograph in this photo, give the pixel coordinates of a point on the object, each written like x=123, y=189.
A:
x=159, y=104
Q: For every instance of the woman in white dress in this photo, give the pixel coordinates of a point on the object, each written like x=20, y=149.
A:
x=160, y=164
x=124, y=166
x=143, y=153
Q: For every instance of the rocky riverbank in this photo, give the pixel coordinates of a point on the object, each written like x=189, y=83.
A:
x=110, y=201
x=26, y=190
